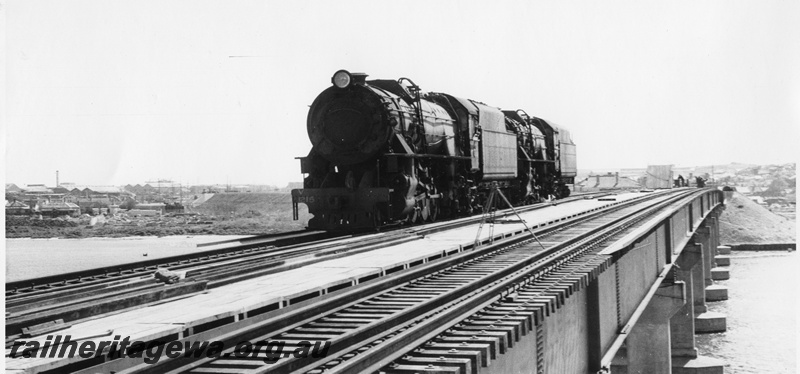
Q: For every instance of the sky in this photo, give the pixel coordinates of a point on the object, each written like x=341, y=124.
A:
x=112, y=92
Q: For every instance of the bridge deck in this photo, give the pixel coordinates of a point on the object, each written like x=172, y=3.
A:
x=234, y=301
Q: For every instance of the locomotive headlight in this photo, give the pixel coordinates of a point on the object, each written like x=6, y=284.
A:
x=342, y=79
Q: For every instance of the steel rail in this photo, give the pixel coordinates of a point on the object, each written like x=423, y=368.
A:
x=250, y=244
x=117, y=292
x=106, y=272
x=73, y=305
x=251, y=247
x=285, y=320
x=537, y=268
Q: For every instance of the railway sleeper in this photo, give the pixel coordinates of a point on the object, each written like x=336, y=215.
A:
x=500, y=337
x=506, y=321
x=490, y=341
x=525, y=322
x=475, y=355
x=411, y=364
x=508, y=332
x=519, y=324
x=484, y=348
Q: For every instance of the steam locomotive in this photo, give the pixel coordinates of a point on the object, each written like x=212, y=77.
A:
x=386, y=153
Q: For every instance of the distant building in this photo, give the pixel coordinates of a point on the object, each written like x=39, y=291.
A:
x=607, y=181
x=15, y=208
x=36, y=189
x=12, y=188
x=658, y=176
x=61, y=190
x=158, y=207
x=59, y=208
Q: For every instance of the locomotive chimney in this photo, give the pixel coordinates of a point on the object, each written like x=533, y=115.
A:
x=359, y=78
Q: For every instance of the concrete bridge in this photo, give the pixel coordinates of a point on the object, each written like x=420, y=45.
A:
x=641, y=313
x=634, y=307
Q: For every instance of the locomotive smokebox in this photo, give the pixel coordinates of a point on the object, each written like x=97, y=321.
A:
x=348, y=125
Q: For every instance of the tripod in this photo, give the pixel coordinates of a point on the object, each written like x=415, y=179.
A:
x=489, y=215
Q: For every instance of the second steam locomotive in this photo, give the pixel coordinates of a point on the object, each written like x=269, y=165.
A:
x=385, y=153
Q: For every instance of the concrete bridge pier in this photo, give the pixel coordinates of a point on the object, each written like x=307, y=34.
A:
x=702, y=236
x=705, y=321
x=648, y=344
x=685, y=359
x=682, y=323
x=716, y=292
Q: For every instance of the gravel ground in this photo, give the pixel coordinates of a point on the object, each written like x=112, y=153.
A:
x=745, y=222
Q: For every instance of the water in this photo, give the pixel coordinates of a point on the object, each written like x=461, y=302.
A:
x=761, y=315
x=31, y=258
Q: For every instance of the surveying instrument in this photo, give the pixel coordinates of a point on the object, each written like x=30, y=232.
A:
x=490, y=216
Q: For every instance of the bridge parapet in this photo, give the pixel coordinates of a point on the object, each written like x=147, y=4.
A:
x=675, y=250
x=640, y=311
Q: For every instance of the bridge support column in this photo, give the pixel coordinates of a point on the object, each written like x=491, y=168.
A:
x=705, y=321
x=648, y=344
x=711, y=222
x=708, y=236
x=702, y=236
x=683, y=323
x=717, y=292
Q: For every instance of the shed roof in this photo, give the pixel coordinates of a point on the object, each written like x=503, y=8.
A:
x=38, y=188
x=98, y=189
x=17, y=204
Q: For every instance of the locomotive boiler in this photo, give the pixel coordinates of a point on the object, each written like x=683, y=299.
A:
x=385, y=153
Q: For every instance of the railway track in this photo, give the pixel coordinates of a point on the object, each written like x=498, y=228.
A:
x=46, y=284
x=464, y=300
x=41, y=305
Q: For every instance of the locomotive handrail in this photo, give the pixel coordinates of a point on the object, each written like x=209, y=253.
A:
x=421, y=155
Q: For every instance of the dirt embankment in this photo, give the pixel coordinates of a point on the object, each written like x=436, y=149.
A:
x=745, y=222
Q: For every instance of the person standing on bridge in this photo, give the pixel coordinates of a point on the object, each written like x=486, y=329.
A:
x=700, y=182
